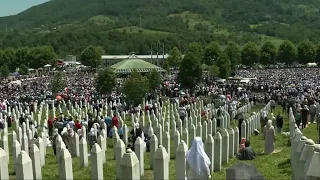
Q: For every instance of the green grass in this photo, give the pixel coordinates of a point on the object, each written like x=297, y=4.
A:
x=275, y=166
x=135, y=29
x=193, y=19
x=101, y=19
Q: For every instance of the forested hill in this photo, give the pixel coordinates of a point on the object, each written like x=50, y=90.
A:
x=71, y=25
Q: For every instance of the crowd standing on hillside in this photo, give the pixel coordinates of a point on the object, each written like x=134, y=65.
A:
x=295, y=88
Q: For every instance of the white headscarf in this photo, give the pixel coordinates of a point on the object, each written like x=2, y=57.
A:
x=196, y=157
x=269, y=123
x=92, y=131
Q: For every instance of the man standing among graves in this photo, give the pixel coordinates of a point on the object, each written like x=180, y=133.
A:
x=304, y=116
x=21, y=119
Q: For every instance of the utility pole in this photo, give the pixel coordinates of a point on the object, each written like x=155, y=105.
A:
x=140, y=22
x=151, y=51
x=6, y=28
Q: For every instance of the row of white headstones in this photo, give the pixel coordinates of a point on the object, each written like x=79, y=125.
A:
x=305, y=153
x=220, y=145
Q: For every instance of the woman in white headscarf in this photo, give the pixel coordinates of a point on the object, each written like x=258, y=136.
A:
x=269, y=138
x=197, y=161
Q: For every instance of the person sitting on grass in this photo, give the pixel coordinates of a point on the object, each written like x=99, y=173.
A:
x=247, y=153
x=242, y=144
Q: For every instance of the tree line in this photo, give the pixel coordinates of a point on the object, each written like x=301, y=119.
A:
x=221, y=61
x=23, y=58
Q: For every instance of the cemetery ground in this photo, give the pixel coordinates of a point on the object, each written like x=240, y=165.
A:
x=274, y=166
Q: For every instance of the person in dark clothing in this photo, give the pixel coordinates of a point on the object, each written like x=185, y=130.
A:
x=55, y=135
x=90, y=124
x=304, y=116
x=136, y=132
x=21, y=119
x=9, y=121
x=247, y=153
x=279, y=123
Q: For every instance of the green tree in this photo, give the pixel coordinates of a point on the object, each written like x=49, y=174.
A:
x=211, y=53
x=40, y=56
x=58, y=83
x=250, y=54
x=306, y=52
x=287, y=52
x=135, y=88
x=224, y=63
x=8, y=56
x=21, y=57
x=190, y=70
x=101, y=50
x=174, y=58
x=91, y=57
x=4, y=71
x=214, y=70
x=154, y=80
x=48, y=55
x=106, y=81
x=166, y=66
x=234, y=54
x=196, y=49
x=23, y=70
x=268, y=53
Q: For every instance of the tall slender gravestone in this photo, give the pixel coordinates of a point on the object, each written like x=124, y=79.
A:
x=231, y=143
x=96, y=162
x=217, y=152
x=83, y=152
x=176, y=141
x=24, y=169
x=65, y=165
x=209, y=149
x=36, y=161
x=181, y=153
x=16, y=149
x=161, y=164
x=166, y=143
x=153, y=148
x=120, y=150
x=139, y=150
x=39, y=143
x=4, y=172
x=130, y=166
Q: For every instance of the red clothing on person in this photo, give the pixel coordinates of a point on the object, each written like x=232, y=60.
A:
x=115, y=121
x=78, y=125
x=50, y=123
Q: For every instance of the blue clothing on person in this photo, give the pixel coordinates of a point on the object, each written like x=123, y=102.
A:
x=108, y=121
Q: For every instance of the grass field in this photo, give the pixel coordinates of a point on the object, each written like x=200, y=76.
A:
x=275, y=166
x=101, y=19
x=135, y=29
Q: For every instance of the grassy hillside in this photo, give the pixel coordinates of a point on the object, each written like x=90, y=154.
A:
x=115, y=25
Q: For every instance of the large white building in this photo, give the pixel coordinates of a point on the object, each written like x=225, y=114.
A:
x=157, y=60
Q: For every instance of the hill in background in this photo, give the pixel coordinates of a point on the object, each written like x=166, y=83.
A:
x=125, y=26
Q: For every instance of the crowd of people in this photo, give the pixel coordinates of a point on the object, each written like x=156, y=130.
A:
x=296, y=88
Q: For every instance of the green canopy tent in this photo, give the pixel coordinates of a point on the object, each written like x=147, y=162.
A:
x=132, y=64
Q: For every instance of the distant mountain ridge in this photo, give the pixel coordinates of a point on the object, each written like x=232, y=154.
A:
x=192, y=20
